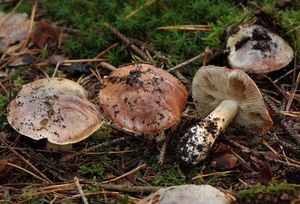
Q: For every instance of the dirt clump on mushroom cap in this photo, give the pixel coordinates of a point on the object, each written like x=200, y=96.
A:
x=256, y=49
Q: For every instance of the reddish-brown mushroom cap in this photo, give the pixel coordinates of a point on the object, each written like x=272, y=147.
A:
x=256, y=49
x=56, y=109
x=141, y=98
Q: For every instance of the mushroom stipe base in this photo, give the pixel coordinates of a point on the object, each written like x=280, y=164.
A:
x=194, y=146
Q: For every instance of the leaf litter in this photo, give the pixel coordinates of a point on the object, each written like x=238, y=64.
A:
x=129, y=167
x=14, y=28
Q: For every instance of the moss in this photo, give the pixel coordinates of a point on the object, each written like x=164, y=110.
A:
x=167, y=175
x=30, y=197
x=259, y=188
x=124, y=200
x=96, y=170
x=24, y=7
x=102, y=134
x=3, y=104
x=290, y=20
x=180, y=45
x=18, y=75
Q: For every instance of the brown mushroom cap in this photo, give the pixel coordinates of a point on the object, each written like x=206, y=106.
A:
x=141, y=98
x=56, y=109
x=256, y=49
x=212, y=84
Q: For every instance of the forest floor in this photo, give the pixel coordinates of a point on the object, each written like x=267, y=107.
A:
x=113, y=166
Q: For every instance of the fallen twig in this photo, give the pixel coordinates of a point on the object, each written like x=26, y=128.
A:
x=33, y=12
x=79, y=189
x=93, y=148
x=184, y=27
x=124, y=175
x=207, y=50
x=290, y=101
x=282, y=162
x=25, y=160
x=107, y=66
x=222, y=173
x=146, y=4
x=284, y=122
x=127, y=41
x=26, y=171
x=130, y=189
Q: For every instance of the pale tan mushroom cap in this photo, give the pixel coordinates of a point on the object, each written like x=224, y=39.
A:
x=14, y=28
x=54, y=86
x=56, y=109
x=188, y=194
x=213, y=84
x=255, y=49
x=140, y=98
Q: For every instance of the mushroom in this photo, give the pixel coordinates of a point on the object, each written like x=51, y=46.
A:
x=255, y=49
x=142, y=99
x=191, y=194
x=221, y=95
x=56, y=109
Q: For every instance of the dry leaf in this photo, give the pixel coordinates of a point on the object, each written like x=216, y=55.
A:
x=5, y=169
x=265, y=175
x=221, y=147
x=54, y=59
x=44, y=35
x=3, y=163
x=22, y=61
x=14, y=28
x=224, y=161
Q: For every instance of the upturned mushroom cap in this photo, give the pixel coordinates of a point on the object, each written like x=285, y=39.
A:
x=256, y=49
x=56, y=109
x=188, y=194
x=212, y=84
x=141, y=98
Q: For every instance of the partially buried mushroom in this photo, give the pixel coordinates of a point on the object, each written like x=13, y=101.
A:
x=188, y=194
x=142, y=99
x=255, y=49
x=56, y=109
x=221, y=95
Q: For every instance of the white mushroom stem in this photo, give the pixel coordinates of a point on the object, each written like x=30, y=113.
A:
x=58, y=148
x=194, y=146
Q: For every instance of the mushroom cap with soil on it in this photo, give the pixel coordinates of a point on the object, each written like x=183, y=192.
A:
x=142, y=99
x=188, y=194
x=221, y=95
x=56, y=109
x=255, y=49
